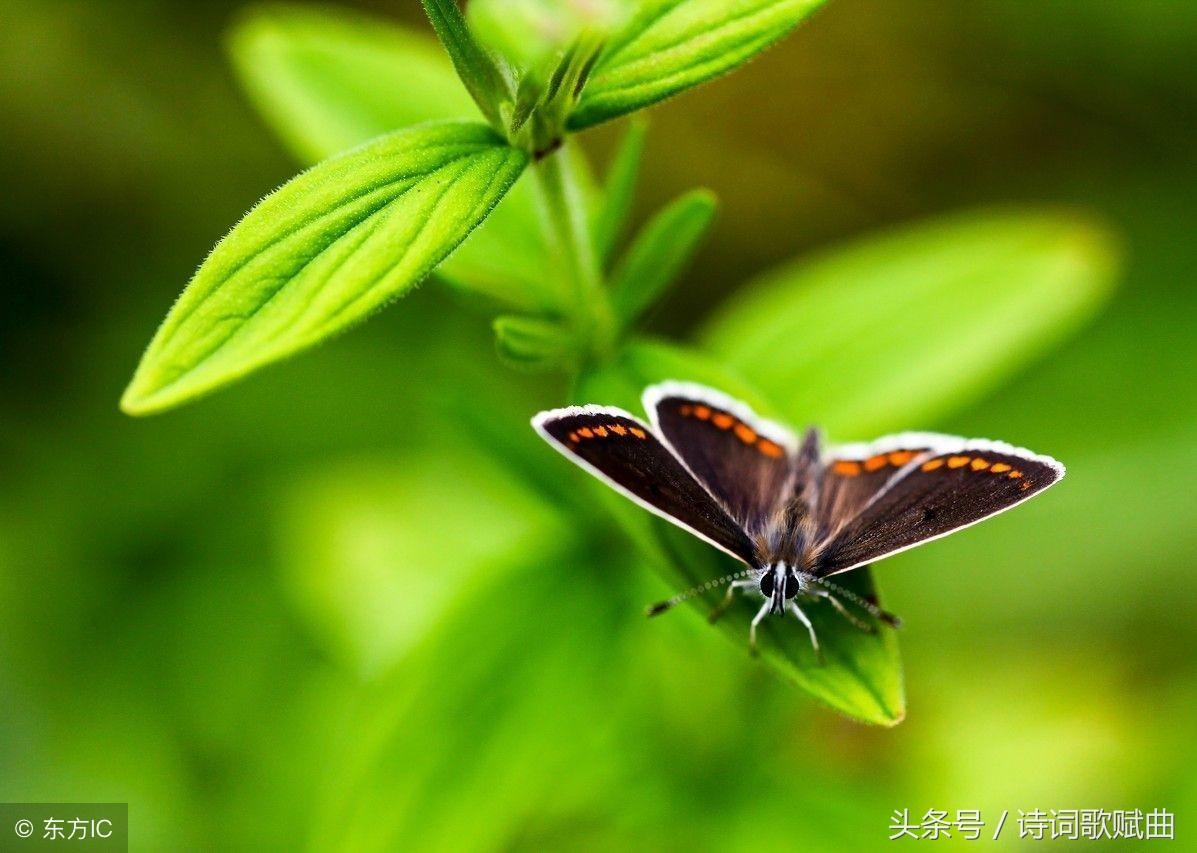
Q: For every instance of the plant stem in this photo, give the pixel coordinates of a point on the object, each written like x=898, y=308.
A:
x=567, y=228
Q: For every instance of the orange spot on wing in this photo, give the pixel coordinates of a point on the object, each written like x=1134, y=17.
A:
x=846, y=468
x=1014, y=475
x=686, y=411
x=746, y=433
x=585, y=432
x=619, y=429
x=999, y=468
x=876, y=462
x=932, y=464
x=1024, y=485
x=601, y=432
x=957, y=461
x=723, y=420
x=900, y=457
x=980, y=464
x=703, y=413
x=770, y=449
x=636, y=431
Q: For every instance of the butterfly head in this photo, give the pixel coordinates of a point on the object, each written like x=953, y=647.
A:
x=779, y=582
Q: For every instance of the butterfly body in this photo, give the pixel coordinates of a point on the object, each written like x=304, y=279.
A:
x=794, y=513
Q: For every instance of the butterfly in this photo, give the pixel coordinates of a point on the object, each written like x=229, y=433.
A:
x=793, y=513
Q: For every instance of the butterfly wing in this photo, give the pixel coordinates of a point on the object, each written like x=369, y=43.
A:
x=953, y=484
x=625, y=454
x=853, y=474
x=743, y=460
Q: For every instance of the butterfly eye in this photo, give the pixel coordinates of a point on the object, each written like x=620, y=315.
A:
x=767, y=584
x=792, y=586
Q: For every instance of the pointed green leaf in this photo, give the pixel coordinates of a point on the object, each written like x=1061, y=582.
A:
x=477, y=70
x=619, y=190
x=327, y=80
x=533, y=343
x=671, y=45
x=660, y=252
x=323, y=252
x=862, y=676
x=894, y=331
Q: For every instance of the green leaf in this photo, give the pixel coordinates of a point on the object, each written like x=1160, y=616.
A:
x=534, y=343
x=619, y=190
x=671, y=45
x=893, y=332
x=328, y=80
x=660, y=252
x=477, y=70
x=489, y=710
x=321, y=253
x=364, y=544
x=862, y=676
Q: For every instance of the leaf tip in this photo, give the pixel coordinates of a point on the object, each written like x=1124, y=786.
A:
x=703, y=197
x=141, y=398
x=134, y=403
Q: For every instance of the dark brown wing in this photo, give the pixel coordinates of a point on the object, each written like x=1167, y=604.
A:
x=934, y=494
x=625, y=454
x=853, y=474
x=743, y=460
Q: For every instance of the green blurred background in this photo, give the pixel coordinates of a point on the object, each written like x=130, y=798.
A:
x=253, y=620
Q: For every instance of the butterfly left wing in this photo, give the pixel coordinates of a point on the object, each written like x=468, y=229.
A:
x=951, y=485
x=747, y=462
x=620, y=450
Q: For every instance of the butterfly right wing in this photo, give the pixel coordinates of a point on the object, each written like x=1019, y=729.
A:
x=853, y=474
x=953, y=485
x=625, y=454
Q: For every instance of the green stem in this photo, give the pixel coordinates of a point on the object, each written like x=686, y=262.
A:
x=567, y=227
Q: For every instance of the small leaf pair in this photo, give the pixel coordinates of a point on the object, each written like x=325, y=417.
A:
x=340, y=240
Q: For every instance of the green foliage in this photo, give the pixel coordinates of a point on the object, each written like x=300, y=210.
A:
x=547, y=95
x=534, y=343
x=861, y=340
x=619, y=190
x=322, y=80
x=903, y=328
x=327, y=80
x=379, y=552
x=323, y=252
x=660, y=253
x=474, y=65
x=527, y=32
x=200, y=609
x=330, y=80
x=671, y=45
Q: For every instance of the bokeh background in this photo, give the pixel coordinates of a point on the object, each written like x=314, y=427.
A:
x=252, y=620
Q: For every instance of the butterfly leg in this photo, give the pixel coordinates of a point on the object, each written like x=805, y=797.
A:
x=722, y=606
x=814, y=639
x=756, y=620
x=843, y=611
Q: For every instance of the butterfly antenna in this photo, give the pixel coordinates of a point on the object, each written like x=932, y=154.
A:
x=661, y=606
x=859, y=600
